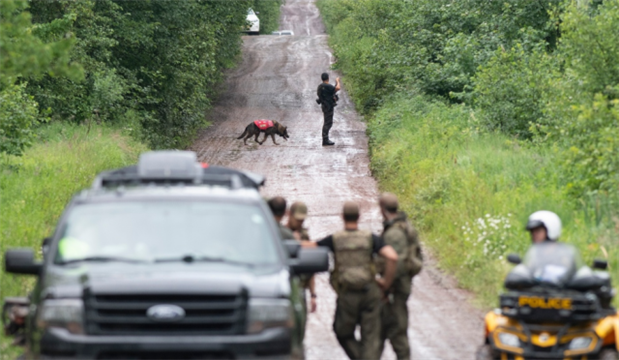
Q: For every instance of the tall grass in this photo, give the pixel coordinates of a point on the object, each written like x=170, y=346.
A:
x=35, y=188
x=471, y=192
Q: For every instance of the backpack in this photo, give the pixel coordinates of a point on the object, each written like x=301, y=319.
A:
x=413, y=260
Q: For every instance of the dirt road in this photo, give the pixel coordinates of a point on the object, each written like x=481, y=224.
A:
x=277, y=80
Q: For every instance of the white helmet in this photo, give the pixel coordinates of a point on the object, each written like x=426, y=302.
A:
x=547, y=219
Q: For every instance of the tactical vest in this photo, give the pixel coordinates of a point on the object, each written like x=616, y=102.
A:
x=410, y=257
x=264, y=124
x=354, y=269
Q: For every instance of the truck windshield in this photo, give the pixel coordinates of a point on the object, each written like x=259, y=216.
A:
x=148, y=231
x=552, y=263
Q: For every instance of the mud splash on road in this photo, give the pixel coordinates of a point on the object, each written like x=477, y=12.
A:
x=277, y=80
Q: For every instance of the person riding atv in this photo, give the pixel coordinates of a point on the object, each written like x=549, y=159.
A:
x=554, y=307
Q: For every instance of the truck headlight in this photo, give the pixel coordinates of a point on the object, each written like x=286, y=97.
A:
x=266, y=313
x=579, y=343
x=62, y=313
x=510, y=340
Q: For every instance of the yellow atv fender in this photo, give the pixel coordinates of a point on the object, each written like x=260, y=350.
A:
x=608, y=330
x=493, y=320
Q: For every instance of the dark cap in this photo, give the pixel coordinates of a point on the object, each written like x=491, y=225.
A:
x=277, y=205
x=298, y=210
x=388, y=201
x=351, y=209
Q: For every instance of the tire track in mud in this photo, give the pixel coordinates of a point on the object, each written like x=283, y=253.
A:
x=277, y=80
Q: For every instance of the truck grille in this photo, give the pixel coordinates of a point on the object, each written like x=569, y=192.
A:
x=162, y=355
x=204, y=314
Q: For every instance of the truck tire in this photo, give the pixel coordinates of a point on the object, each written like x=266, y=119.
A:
x=608, y=354
x=485, y=353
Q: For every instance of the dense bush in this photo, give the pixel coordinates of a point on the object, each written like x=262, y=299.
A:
x=268, y=14
x=157, y=61
x=19, y=115
x=582, y=108
x=24, y=55
x=152, y=66
x=509, y=90
x=433, y=46
x=530, y=68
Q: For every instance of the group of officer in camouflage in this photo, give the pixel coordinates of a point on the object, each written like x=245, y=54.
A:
x=372, y=275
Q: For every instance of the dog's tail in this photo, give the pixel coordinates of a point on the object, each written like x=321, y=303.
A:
x=243, y=134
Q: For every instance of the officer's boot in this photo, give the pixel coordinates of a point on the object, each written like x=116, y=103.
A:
x=327, y=142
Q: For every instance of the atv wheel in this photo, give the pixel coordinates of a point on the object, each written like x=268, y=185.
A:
x=608, y=354
x=485, y=353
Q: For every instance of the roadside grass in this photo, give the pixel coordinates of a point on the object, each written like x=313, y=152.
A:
x=35, y=188
x=471, y=192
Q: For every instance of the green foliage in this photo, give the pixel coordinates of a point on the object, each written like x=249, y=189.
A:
x=582, y=106
x=268, y=14
x=36, y=187
x=432, y=46
x=539, y=129
x=18, y=115
x=24, y=55
x=471, y=192
x=510, y=88
x=158, y=62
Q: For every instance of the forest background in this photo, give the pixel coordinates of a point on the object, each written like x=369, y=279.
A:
x=482, y=112
x=88, y=85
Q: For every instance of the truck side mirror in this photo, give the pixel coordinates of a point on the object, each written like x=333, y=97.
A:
x=293, y=247
x=45, y=245
x=310, y=261
x=514, y=259
x=21, y=261
x=600, y=264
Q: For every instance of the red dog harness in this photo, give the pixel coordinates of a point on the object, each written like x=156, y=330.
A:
x=263, y=124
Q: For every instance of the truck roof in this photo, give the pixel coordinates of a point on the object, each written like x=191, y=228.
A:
x=173, y=174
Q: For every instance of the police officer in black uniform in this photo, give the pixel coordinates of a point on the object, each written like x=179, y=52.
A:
x=327, y=100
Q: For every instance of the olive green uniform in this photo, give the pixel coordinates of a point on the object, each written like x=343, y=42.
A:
x=394, y=314
x=359, y=297
x=285, y=233
x=303, y=232
x=305, y=279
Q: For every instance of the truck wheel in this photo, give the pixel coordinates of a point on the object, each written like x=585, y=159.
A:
x=608, y=354
x=485, y=353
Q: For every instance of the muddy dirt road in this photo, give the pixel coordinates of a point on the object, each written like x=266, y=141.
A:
x=277, y=80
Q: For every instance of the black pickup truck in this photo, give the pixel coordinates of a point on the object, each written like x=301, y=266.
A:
x=165, y=260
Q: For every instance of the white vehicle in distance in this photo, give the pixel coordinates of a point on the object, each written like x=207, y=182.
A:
x=283, y=32
x=253, y=23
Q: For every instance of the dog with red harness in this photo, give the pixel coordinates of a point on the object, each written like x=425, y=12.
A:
x=268, y=127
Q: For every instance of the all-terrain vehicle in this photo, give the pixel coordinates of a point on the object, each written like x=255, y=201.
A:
x=554, y=308
x=169, y=259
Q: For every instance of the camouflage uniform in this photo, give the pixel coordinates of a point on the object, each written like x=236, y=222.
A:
x=394, y=315
x=359, y=297
x=304, y=234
